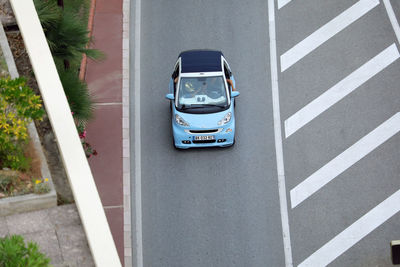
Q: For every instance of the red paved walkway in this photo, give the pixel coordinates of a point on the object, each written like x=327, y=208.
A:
x=104, y=133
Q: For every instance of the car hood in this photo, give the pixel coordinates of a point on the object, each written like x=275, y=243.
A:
x=203, y=121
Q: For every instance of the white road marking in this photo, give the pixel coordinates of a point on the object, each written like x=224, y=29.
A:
x=341, y=89
x=345, y=160
x=392, y=18
x=278, y=137
x=138, y=160
x=355, y=232
x=282, y=3
x=327, y=31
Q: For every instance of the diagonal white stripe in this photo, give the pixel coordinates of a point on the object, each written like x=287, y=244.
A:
x=345, y=160
x=392, y=18
x=327, y=31
x=341, y=89
x=354, y=233
x=282, y=3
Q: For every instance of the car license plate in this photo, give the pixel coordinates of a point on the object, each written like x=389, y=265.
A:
x=204, y=137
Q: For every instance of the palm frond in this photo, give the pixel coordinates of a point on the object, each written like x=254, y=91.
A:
x=49, y=13
x=79, y=98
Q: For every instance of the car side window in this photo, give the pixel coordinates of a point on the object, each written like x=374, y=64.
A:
x=227, y=72
x=175, y=74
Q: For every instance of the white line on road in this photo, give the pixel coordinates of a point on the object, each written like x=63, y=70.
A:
x=355, y=232
x=327, y=31
x=345, y=160
x=341, y=89
x=392, y=18
x=282, y=3
x=278, y=137
x=138, y=160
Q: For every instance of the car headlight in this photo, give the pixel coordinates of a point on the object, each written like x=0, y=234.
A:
x=225, y=119
x=180, y=121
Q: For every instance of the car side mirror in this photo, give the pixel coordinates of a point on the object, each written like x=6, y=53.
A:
x=235, y=94
x=170, y=96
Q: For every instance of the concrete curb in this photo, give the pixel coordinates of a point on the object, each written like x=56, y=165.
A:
x=126, y=174
x=26, y=203
x=29, y=202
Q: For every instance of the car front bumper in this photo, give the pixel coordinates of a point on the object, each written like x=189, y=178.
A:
x=185, y=137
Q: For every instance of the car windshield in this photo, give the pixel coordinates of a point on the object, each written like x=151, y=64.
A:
x=202, y=92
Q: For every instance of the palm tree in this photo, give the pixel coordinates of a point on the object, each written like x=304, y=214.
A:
x=68, y=38
x=66, y=35
x=79, y=98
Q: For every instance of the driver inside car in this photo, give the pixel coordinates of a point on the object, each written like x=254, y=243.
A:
x=189, y=90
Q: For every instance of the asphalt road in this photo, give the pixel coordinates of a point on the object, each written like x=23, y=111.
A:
x=220, y=207
x=208, y=207
x=372, y=179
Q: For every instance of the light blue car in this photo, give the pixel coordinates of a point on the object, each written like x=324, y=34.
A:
x=202, y=98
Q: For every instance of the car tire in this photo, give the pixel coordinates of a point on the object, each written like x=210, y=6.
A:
x=173, y=144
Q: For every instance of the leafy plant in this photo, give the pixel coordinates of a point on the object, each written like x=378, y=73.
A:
x=15, y=253
x=3, y=66
x=15, y=157
x=18, y=106
x=49, y=14
x=6, y=181
x=89, y=151
x=78, y=96
x=41, y=186
x=14, y=183
x=17, y=160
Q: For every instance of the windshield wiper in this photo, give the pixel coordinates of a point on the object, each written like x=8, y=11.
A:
x=215, y=105
x=191, y=107
x=202, y=106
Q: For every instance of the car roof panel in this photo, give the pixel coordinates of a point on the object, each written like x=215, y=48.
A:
x=201, y=61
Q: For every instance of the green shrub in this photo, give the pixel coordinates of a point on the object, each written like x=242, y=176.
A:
x=16, y=158
x=12, y=155
x=7, y=181
x=18, y=106
x=78, y=96
x=15, y=253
